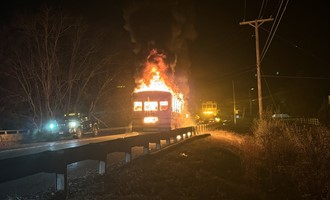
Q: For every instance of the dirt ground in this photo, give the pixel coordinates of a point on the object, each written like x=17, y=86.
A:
x=200, y=168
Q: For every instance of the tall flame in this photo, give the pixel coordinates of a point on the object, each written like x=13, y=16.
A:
x=155, y=77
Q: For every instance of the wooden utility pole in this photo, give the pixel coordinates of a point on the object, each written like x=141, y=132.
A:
x=234, y=101
x=256, y=23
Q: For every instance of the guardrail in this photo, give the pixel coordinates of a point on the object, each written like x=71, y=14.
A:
x=57, y=161
x=9, y=136
x=309, y=121
x=13, y=131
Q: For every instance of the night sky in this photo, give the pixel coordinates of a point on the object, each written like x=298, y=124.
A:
x=214, y=50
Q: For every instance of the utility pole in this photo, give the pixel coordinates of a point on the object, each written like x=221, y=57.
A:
x=256, y=23
x=250, y=100
x=234, y=100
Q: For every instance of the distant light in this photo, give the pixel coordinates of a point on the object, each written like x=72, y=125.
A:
x=277, y=73
x=178, y=137
x=121, y=86
x=208, y=112
x=51, y=126
x=73, y=124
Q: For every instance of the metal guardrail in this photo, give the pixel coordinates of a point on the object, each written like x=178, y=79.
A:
x=302, y=121
x=310, y=121
x=57, y=161
x=13, y=131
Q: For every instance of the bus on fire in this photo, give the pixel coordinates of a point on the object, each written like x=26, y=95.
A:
x=156, y=111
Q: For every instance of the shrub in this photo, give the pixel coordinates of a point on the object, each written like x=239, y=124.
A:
x=288, y=160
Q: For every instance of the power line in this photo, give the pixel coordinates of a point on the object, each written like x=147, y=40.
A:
x=263, y=53
x=297, y=77
x=270, y=92
x=272, y=29
x=244, y=10
x=261, y=8
x=300, y=48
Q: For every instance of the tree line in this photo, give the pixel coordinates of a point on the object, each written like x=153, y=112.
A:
x=53, y=63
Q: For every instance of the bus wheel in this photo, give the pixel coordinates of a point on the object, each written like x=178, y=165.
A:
x=78, y=133
x=95, y=130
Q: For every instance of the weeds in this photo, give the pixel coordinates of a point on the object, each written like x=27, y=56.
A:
x=288, y=160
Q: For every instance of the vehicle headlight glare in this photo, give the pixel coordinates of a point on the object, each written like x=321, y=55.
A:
x=51, y=125
x=73, y=124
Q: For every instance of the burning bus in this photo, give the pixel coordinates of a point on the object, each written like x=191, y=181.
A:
x=155, y=111
x=156, y=104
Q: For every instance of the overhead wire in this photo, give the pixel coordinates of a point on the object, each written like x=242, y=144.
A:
x=263, y=53
x=244, y=10
x=268, y=42
x=270, y=92
x=270, y=38
x=272, y=29
x=261, y=8
x=297, y=77
x=300, y=48
x=278, y=5
x=238, y=72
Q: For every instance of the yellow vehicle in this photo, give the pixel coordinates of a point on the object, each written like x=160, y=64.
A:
x=209, y=111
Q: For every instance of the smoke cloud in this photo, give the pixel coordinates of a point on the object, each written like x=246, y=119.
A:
x=166, y=26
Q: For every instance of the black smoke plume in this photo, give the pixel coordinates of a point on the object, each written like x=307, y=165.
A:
x=166, y=26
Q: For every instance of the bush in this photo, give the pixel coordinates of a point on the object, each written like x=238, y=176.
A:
x=288, y=160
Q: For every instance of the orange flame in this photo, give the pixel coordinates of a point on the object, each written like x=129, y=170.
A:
x=155, y=77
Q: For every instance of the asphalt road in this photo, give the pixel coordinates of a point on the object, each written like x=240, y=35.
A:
x=45, y=181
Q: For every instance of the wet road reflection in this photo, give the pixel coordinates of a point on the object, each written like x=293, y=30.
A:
x=53, y=146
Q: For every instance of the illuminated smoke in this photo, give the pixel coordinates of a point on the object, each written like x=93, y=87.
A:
x=163, y=25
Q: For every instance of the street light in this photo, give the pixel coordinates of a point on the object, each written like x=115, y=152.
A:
x=250, y=99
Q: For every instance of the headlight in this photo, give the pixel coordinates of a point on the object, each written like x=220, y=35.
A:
x=150, y=120
x=73, y=124
x=51, y=126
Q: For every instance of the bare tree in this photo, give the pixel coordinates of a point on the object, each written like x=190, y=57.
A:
x=57, y=63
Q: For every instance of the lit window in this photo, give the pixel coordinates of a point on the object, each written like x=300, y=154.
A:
x=163, y=105
x=150, y=106
x=137, y=106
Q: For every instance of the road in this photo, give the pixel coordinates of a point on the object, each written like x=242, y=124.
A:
x=57, y=145
x=45, y=181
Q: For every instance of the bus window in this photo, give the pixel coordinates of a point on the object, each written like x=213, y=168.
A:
x=163, y=105
x=150, y=106
x=137, y=106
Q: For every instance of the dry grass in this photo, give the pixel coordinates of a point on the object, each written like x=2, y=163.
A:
x=288, y=161
x=279, y=161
